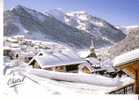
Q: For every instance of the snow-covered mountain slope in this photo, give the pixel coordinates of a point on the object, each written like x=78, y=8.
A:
x=40, y=26
x=57, y=13
x=122, y=28
x=131, y=42
x=101, y=31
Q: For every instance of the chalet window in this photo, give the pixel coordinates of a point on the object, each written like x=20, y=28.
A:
x=40, y=54
x=60, y=68
x=71, y=68
x=17, y=55
x=49, y=69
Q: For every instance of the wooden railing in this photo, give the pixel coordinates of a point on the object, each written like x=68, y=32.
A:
x=128, y=89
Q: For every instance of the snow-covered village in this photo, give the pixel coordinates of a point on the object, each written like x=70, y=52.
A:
x=59, y=53
x=61, y=68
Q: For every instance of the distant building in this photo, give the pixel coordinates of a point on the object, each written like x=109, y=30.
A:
x=27, y=56
x=11, y=52
x=92, y=65
x=19, y=37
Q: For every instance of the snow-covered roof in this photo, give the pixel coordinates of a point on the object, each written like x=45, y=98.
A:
x=11, y=39
x=126, y=58
x=18, y=36
x=10, y=48
x=14, y=45
x=93, y=60
x=57, y=59
x=108, y=65
x=28, y=54
x=84, y=53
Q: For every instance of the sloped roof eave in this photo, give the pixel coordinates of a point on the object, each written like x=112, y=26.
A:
x=126, y=58
x=60, y=64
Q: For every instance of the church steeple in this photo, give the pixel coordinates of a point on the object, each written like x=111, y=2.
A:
x=92, y=50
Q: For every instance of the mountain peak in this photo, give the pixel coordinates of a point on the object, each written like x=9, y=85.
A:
x=19, y=7
x=77, y=13
x=57, y=11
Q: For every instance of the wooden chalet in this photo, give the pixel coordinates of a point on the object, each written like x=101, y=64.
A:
x=61, y=62
x=129, y=63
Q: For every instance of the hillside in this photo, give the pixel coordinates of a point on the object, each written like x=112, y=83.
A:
x=102, y=32
x=36, y=25
x=129, y=43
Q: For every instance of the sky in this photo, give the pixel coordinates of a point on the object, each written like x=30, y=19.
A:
x=117, y=12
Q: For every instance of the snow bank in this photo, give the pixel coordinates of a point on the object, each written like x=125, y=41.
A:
x=73, y=77
x=36, y=83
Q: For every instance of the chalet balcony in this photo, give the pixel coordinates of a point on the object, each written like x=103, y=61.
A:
x=127, y=89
